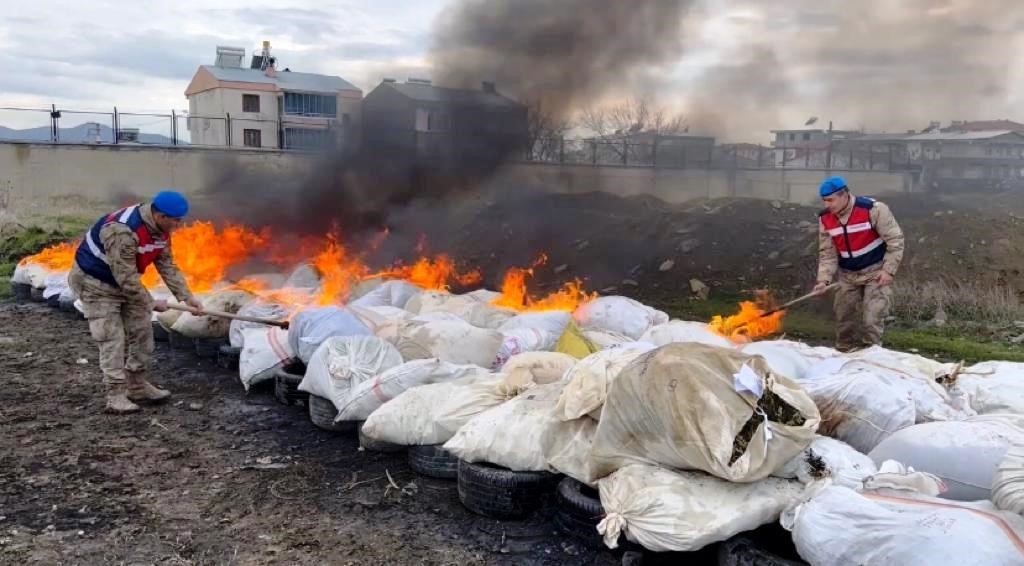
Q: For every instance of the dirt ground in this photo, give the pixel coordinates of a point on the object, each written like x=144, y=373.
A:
x=239, y=480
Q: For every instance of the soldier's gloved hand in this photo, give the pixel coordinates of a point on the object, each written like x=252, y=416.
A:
x=196, y=304
x=160, y=305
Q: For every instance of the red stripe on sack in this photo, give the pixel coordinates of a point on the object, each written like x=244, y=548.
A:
x=1002, y=524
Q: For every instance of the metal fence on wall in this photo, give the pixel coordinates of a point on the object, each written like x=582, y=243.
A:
x=61, y=125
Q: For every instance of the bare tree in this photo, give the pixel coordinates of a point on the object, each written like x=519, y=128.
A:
x=545, y=130
x=634, y=125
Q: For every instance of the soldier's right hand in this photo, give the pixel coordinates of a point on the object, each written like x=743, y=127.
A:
x=160, y=305
x=820, y=287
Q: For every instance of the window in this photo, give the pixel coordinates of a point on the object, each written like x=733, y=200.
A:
x=807, y=136
x=251, y=138
x=306, y=138
x=792, y=137
x=438, y=121
x=301, y=104
x=250, y=103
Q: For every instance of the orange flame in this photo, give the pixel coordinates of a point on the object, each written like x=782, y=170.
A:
x=514, y=294
x=435, y=273
x=339, y=272
x=747, y=324
x=204, y=254
x=58, y=257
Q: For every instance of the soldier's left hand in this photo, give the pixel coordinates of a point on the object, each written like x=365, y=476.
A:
x=884, y=278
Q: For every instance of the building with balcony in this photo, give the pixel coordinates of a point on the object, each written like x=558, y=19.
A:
x=262, y=107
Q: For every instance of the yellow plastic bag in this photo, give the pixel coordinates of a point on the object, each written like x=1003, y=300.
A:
x=574, y=343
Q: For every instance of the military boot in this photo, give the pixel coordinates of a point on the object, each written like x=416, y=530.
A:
x=117, y=400
x=141, y=390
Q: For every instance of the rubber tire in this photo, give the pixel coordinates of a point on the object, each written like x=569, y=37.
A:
x=286, y=387
x=68, y=307
x=22, y=291
x=228, y=356
x=433, y=461
x=742, y=551
x=207, y=347
x=179, y=341
x=500, y=493
x=322, y=414
x=371, y=445
x=36, y=295
x=54, y=301
x=160, y=334
x=578, y=510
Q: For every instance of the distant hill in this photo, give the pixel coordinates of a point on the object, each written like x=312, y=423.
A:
x=83, y=133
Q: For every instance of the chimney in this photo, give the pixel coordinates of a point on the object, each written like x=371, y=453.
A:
x=489, y=87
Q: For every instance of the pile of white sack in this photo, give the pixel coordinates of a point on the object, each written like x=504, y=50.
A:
x=872, y=457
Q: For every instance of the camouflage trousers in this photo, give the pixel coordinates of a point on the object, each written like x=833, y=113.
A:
x=122, y=328
x=861, y=306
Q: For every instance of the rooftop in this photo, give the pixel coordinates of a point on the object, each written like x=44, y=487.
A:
x=430, y=93
x=283, y=80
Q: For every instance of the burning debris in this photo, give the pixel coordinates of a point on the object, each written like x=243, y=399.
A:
x=756, y=319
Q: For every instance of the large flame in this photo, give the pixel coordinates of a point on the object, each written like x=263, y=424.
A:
x=514, y=294
x=436, y=273
x=204, y=254
x=58, y=257
x=747, y=324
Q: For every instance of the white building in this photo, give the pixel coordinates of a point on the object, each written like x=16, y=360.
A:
x=263, y=107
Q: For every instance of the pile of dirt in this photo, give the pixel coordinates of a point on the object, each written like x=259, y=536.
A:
x=644, y=247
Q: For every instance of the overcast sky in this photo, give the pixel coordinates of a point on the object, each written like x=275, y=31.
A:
x=747, y=66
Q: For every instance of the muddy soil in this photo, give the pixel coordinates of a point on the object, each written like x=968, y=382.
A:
x=213, y=477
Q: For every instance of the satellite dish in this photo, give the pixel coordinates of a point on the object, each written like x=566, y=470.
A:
x=810, y=121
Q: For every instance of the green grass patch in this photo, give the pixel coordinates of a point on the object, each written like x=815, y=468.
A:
x=808, y=323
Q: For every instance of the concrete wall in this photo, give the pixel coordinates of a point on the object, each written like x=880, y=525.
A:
x=680, y=185
x=44, y=181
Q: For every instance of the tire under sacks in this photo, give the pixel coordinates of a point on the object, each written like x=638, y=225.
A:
x=286, y=386
x=160, y=334
x=322, y=414
x=500, y=493
x=372, y=445
x=578, y=510
x=208, y=347
x=179, y=341
x=432, y=460
x=227, y=356
x=22, y=291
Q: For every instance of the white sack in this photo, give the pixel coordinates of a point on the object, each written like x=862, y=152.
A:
x=994, y=387
x=388, y=294
x=304, y=276
x=538, y=367
x=621, y=315
x=341, y=363
x=664, y=510
x=453, y=341
x=257, y=308
x=32, y=274
x=916, y=374
x=311, y=326
x=206, y=326
x=55, y=284
x=789, y=358
x=431, y=414
x=605, y=340
x=858, y=406
x=68, y=294
x=829, y=458
x=588, y=381
x=379, y=318
x=521, y=433
x=839, y=527
x=367, y=396
x=963, y=454
x=265, y=350
x=684, y=331
x=1008, y=481
x=684, y=405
